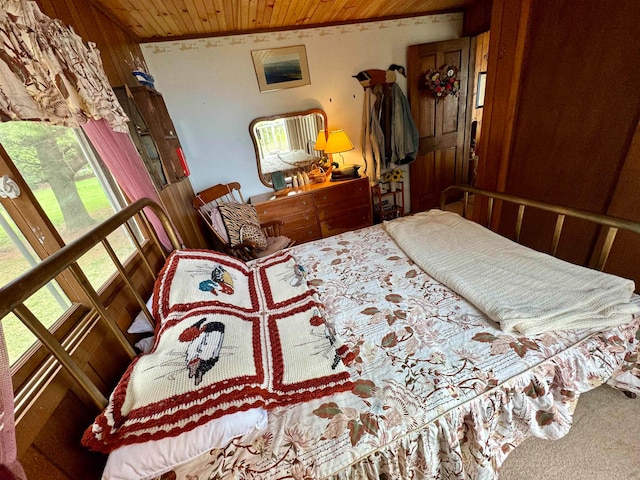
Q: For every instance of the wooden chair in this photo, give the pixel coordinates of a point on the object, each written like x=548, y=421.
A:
x=207, y=202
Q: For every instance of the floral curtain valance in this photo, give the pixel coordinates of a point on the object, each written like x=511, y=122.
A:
x=48, y=73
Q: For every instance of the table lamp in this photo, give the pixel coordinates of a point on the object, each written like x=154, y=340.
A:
x=321, y=141
x=338, y=142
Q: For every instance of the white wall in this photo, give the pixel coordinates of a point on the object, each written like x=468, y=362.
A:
x=212, y=94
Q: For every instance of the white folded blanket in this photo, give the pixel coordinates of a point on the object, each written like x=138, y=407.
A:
x=521, y=289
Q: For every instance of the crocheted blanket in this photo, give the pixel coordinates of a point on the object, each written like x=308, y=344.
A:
x=230, y=337
x=523, y=290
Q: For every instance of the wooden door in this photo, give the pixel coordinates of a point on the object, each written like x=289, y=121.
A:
x=441, y=123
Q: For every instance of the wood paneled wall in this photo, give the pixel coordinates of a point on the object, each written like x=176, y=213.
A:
x=477, y=18
x=93, y=25
x=481, y=60
x=563, y=113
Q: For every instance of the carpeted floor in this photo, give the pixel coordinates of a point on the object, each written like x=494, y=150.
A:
x=603, y=444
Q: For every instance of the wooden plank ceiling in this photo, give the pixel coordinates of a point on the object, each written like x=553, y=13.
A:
x=156, y=20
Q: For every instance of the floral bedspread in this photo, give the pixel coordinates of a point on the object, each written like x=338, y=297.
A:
x=439, y=390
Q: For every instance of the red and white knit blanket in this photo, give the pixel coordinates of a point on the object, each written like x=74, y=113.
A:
x=230, y=337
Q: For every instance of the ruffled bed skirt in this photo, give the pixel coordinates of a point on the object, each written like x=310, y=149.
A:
x=472, y=441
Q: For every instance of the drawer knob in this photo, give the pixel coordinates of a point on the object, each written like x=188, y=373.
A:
x=304, y=202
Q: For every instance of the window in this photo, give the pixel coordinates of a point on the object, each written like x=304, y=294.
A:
x=75, y=193
x=272, y=137
x=48, y=304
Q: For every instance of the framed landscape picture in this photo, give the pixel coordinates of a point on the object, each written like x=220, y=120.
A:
x=278, y=68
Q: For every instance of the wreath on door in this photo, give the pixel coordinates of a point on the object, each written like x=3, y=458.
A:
x=443, y=81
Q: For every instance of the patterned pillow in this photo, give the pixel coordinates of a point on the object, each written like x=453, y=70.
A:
x=254, y=236
x=235, y=216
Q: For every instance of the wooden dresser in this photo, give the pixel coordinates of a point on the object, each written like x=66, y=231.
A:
x=318, y=210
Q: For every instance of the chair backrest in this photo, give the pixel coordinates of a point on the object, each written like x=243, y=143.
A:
x=207, y=200
x=206, y=203
x=221, y=193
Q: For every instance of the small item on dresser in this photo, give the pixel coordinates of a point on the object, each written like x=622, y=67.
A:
x=320, y=174
x=278, y=181
x=294, y=181
x=307, y=181
x=346, y=172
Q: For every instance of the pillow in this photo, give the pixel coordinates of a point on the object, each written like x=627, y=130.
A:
x=141, y=323
x=145, y=344
x=151, y=459
x=254, y=236
x=235, y=216
x=218, y=224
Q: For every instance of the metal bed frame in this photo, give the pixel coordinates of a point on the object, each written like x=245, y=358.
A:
x=611, y=224
x=14, y=294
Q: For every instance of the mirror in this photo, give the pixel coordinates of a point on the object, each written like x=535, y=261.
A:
x=285, y=143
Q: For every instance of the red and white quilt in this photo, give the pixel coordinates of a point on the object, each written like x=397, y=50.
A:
x=230, y=337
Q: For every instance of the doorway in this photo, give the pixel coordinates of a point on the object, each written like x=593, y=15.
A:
x=479, y=56
x=440, y=120
x=449, y=127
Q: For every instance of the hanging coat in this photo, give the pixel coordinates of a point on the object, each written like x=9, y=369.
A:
x=404, y=134
x=372, y=136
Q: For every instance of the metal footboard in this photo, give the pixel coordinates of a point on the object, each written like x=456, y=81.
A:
x=610, y=224
x=14, y=294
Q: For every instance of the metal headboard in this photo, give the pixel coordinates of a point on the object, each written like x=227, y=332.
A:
x=16, y=292
x=611, y=224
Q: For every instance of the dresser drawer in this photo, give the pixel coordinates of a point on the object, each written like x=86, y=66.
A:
x=283, y=208
x=344, y=221
x=303, y=234
x=354, y=193
x=293, y=222
x=346, y=209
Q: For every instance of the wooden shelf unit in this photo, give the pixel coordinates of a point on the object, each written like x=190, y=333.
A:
x=387, y=205
x=153, y=133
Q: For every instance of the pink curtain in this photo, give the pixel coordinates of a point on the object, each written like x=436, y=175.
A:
x=120, y=156
x=10, y=468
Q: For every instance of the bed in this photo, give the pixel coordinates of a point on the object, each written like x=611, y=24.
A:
x=407, y=378
x=286, y=161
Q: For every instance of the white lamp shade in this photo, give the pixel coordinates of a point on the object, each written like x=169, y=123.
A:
x=338, y=142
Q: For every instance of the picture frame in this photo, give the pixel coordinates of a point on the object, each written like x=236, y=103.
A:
x=280, y=68
x=482, y=85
